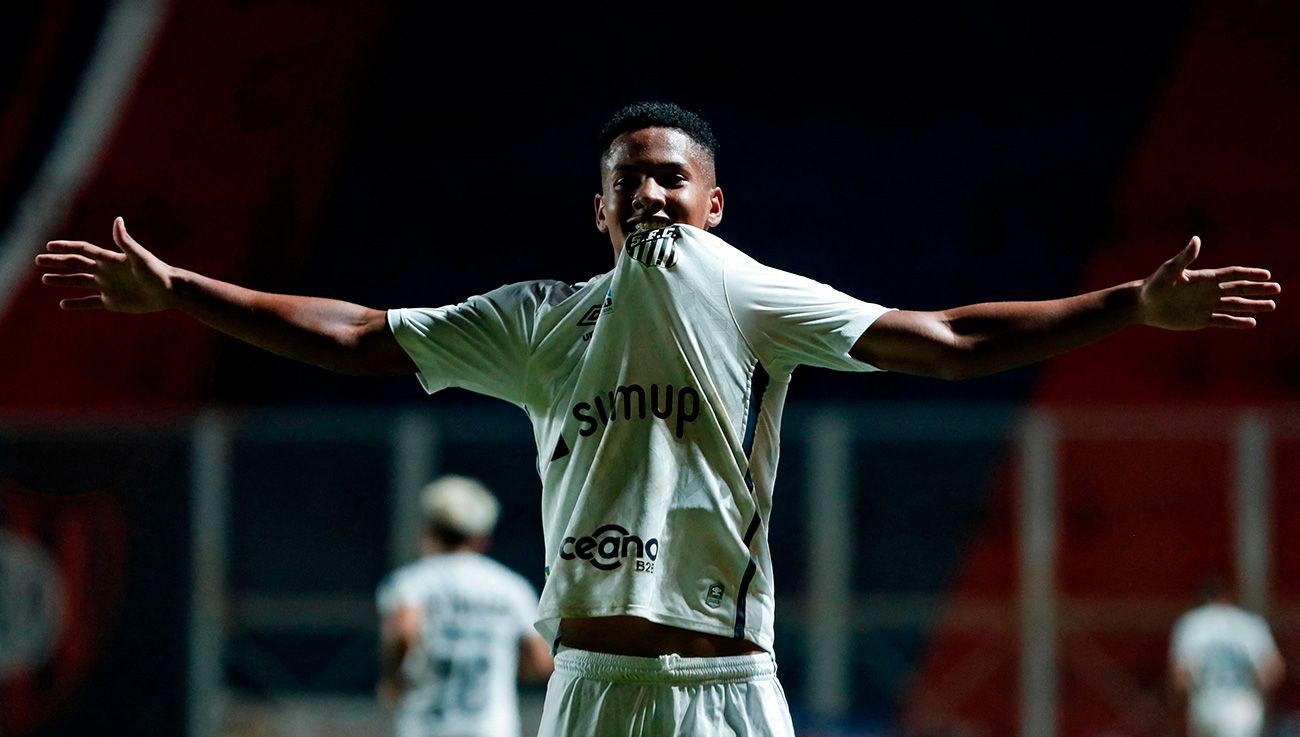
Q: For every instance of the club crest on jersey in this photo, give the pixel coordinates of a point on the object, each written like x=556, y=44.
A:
x=656, y=247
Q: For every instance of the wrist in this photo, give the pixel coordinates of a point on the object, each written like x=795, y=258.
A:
x=1129, y=302
x=176, y=284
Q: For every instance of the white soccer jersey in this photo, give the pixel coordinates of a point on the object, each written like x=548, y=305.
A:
x=1222, y=646
x=655, y=394
x=463, y=676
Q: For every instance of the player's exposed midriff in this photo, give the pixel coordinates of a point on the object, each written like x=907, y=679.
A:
x=643, y=638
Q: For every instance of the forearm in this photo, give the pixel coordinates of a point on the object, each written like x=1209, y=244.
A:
x=980, y=339
x=992, y=337
x=332, y=334
x=535, y=663
x=391, y=681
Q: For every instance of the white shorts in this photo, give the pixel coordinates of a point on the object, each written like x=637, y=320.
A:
x=599, y=695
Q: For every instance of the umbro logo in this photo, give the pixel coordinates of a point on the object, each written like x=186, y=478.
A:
x=594, y=312
x=589, y=318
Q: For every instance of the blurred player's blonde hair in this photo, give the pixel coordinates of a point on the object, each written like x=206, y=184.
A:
x=460, y=506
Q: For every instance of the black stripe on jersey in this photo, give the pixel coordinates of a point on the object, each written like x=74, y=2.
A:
x=757, y=389
x=753, y=528
x=745, y=580
x=750, y=570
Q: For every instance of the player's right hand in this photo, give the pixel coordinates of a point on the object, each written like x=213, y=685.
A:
x=129, y=280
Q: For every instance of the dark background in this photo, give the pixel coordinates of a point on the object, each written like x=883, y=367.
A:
x=915, y=155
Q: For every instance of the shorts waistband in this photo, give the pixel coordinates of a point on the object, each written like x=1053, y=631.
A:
x=665, y=669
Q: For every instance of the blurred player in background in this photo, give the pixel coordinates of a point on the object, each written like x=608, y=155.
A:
x=1223, y=663
x=458, y=626
x=655, y=391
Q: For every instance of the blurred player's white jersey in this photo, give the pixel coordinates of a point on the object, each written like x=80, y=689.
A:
x=1223, y=647
x=655, y=393
x=463, y=678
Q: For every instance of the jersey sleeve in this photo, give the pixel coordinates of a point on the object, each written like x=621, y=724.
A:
x=791, y=320
x=481, y=344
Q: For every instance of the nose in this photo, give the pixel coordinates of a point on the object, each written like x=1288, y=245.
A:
x=649, y=197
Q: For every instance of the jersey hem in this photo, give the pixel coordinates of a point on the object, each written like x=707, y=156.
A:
x=552, y=623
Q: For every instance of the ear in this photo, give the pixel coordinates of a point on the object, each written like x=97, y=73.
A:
x=601, y=225
x=715, y=209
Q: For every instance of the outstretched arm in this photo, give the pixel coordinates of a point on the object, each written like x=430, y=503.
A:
x=981, y=339
x=329, y=333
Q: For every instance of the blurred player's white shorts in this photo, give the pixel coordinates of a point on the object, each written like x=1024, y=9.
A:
x=599, y=695
x=1233, y=714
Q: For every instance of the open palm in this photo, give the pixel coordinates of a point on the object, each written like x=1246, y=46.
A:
x=1178, y=298
x=126, y=280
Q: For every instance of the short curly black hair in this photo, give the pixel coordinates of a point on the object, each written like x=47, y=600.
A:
x=639, y=115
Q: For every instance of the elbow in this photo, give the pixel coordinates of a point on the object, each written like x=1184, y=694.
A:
x=957, y=362
x=923, y=344
x=543, y=672
x=955, y=374
x=535, y=662
x=963, y=370
x=536, y=672
x=340, y=356
x=367, y=349
x=948, y=366
x=347, y=364
x=969, y=357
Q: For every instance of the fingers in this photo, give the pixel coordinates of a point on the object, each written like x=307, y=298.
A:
x=1241, y=304
x=123, y=240
x=1240, y=272
x=1232, y=322
x=75, y=281
x=1249, y=288
x=89, y=250
x=64, y=261
x=89, y=302
x=1188, y=254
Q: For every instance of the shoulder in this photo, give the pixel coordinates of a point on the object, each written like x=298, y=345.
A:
x=404, y=584
x=1187, y=622
x=542, y=295
x=517, y=303
x=700, y=239
x=538, y=292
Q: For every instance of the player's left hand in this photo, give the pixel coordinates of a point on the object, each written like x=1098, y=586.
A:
x=1178, y=298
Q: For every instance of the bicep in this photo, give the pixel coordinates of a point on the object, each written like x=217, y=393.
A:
x=377, y=350
x=909, y=342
